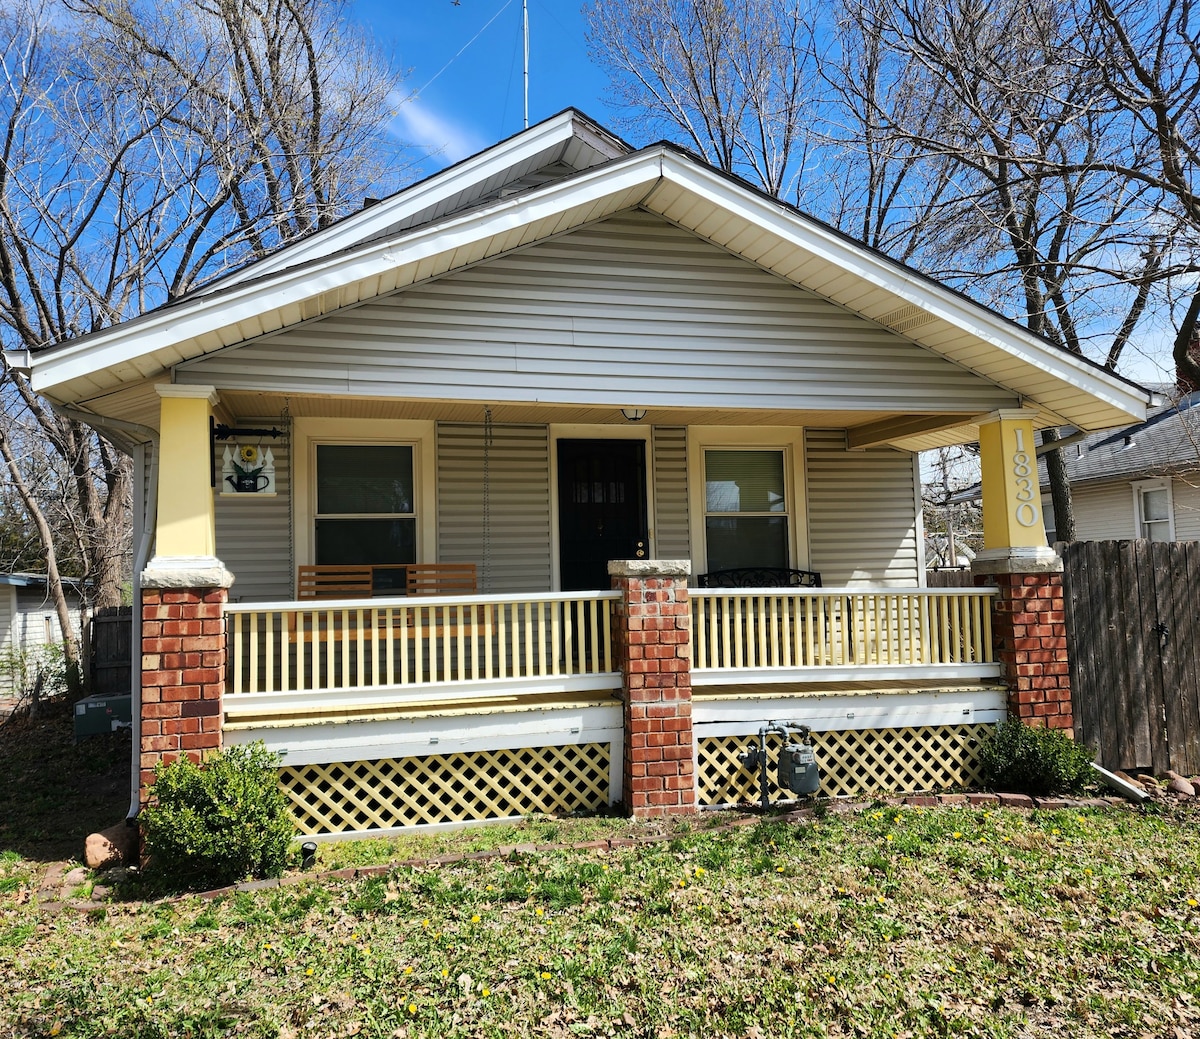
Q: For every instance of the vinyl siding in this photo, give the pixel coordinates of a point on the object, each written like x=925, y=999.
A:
x=512, y=551
x=669, y=447
x=861, y=512
x=1186, y=496
x=1103, y=512
x=254, y=538
x=629, y=308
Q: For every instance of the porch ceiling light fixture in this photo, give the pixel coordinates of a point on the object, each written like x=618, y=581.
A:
x=634, y=414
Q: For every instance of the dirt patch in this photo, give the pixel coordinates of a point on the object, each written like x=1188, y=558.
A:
x=55, y=791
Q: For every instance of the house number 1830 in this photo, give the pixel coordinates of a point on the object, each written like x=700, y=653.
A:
x=1026, y=512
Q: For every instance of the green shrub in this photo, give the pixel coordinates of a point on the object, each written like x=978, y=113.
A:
x=220, y=822
x=1023, y=760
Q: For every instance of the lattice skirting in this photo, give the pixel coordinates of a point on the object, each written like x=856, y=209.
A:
x=360, y=796
x=868, y=761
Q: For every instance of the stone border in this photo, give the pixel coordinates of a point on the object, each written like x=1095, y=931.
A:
x=57, y=882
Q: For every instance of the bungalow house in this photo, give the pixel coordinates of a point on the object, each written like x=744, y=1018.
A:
x=610, y=381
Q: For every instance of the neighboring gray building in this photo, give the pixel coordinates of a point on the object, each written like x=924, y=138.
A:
x=1139, y=482
x=28, y=621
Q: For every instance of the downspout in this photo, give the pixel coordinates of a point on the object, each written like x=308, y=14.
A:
x=141, y=556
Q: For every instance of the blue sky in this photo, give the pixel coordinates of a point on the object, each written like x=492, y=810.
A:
x=476, y=99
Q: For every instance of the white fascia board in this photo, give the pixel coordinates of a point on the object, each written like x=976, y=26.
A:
x=876, y=269
x=193, y=318
x=369, y=223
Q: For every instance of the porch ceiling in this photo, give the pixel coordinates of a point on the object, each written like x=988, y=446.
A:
x=141, y=404
x=1060, y=388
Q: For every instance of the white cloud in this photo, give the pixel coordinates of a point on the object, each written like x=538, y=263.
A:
x=445, y=139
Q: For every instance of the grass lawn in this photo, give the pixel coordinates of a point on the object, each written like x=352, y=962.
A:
x=884, y=922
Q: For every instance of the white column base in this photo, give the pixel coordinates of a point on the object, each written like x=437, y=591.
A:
x=1036, y=559
x=185, y=572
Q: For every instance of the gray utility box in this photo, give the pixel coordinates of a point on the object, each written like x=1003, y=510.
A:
x=99, y=713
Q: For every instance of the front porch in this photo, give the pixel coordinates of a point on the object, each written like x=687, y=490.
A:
x=393, y=712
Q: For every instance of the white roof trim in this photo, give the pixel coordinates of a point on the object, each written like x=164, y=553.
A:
x=659, y=179
x=822, y=241
x=373, y=221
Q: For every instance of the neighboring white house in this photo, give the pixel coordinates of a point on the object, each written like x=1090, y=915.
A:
x=28, y=622
x=1139, y=482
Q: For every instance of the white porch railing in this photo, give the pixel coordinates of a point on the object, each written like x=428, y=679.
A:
x=773, y=635
x=416, y=648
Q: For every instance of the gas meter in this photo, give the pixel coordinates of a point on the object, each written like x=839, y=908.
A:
x=797, y=766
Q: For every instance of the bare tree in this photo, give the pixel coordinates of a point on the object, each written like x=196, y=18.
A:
x=734, y=78
x=144, y=147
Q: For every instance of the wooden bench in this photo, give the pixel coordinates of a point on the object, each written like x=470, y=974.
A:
x=441, y=579
x=760, y=577
x=335, y=582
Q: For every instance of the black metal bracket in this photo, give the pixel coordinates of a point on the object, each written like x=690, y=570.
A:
x=219, y=431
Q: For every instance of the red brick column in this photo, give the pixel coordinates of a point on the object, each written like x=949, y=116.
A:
x=183, y=675
x=654, y=648
x=1030, y=635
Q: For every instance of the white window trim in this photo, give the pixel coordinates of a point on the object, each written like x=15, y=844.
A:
x=1139, y=488
x=308, y=432
x=789, y=440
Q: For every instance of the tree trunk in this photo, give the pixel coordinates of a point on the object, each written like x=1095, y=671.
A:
x=1060, y=489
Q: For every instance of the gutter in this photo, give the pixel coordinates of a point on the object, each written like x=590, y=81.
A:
x=141, y=556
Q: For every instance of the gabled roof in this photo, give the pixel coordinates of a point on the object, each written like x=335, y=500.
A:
x=553, y=178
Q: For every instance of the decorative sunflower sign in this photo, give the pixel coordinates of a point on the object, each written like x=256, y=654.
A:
x=244, y=469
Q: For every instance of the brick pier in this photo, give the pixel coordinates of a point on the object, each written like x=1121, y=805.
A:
x=653, y=642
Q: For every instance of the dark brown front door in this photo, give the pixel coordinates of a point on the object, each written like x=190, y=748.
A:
x=601, y=509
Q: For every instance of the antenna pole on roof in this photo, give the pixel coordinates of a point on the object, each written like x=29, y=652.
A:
x=525, y=26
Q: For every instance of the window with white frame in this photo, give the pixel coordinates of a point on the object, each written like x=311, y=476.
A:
x=746, y=520
x=365, y=504
x=1152, y=507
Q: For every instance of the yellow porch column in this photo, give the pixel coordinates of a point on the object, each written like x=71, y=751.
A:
x=1012, y=503
x=185, y=530
x=186, y=524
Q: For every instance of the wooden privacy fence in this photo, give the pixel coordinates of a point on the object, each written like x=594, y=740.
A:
x=1133, y=619
x=111, y=653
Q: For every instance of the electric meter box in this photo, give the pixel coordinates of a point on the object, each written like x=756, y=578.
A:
x=798, y=769
x=100, y=713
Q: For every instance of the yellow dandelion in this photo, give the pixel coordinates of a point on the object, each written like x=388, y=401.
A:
x=545, y=975
x=778, y=869
x=412, y=1008
x=445, y=974
x=983, y=840
x=683, y=883
x=888, y=837
x=366, y=950
x=1193, y=903
x=408, y=969
x=424, y=923
x=266, y=945
x=489, y=888
x=957, y=834
x=1053, y=831
x=1007, y=840
x=308, y=973
x=880, y=898
x=476, y=918
x=952, y=969
x=487, y=992
x=699, y=871
x=604, y=866
x=1087, y=872
x=354, y=937
x=149, y=999
x=56, y=1029
x=832, y=980
x=540, y=911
